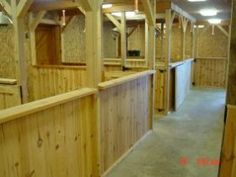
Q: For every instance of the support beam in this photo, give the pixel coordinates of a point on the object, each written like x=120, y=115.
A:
x=114, y=21
x=35, y=21
x=6, y=7
x=148, y=10
x=54, y=5
x=182, y=12
x=23, y=7
x=94, y=44
x=184, y=22
x=226, y=33
x=167, y=60
x=86, y=5
x=231, y=85
x=123, y=40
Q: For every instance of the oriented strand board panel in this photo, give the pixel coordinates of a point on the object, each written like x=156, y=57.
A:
x=60, y=141
x=228, y=165
x=125, y=118
x=74, y=41
x=111, y=43
x=210, y=73
x=48, y=81
x=218, y=46
x=7, y=66
x=176, y=46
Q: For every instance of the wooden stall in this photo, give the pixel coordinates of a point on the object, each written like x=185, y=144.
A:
x=55, y=136
x=10, y=93
x=50, y=80
x=126, y=115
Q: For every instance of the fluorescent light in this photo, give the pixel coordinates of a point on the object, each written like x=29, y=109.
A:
x=196, y=0
x=214, y=21
x=128, y=14
x=208, y=12
x=106, y=6
x=199, y=26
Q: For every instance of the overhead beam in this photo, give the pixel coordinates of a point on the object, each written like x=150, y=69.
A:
x=6, y=6
x=182, y=12
x=23, y=7
x=54, y=5
x=86, y=4
x=34, y=22
x=114, y=21
x=148, y=12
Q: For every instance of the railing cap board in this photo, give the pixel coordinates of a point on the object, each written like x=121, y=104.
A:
x=40, y=105
x=122, y=80
x=231, y=106
x=60, y=66
x=8, y=81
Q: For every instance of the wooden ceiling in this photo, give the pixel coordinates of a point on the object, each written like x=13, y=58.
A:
x=193, y=8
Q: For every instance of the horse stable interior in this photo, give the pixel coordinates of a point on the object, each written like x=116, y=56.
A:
x=117, y=88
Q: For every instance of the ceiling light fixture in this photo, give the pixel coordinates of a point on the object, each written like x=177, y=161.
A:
x=128, y=14
x=214, y=21
x=106, y=6
x=208, y=12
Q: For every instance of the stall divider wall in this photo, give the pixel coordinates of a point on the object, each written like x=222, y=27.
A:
x=45, y=81
x=80, y=133
x=10, y=93
x=126, y=115
x=56, y=137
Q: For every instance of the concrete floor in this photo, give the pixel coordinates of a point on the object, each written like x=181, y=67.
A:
x=179, y=140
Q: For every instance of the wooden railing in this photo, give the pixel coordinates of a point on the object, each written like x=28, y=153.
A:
x=228, y=155
x=126, y=115
x=45, y=81
x=10, y=94
x=54, y=137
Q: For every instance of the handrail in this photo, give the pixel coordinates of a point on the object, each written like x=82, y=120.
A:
x=8, y=81
x=40, y=105
x=60, y=67
x=231, y=106
x=122, y=80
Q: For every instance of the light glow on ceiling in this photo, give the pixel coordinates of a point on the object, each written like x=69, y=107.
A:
x=199, y=26
x=106, y=6
x=197, y=0
x=127, y=14
x=214, y=21
x=208, y=12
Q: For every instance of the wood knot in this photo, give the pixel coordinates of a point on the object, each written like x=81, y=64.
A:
x=40, y=142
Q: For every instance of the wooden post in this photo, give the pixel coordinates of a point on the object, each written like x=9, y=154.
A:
x=123, y=40
x=18, y=13
x=184, y=28
x=231, y=85
x=168, y=20
x=94, y=44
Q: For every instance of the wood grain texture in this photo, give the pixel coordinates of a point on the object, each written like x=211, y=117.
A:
x=228, y=161
x=52, y=80
x=210, y=72
x=9, y=96
x=125, y=118
x=60, y=141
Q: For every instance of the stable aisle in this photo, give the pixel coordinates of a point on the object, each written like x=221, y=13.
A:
x=184, y=144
